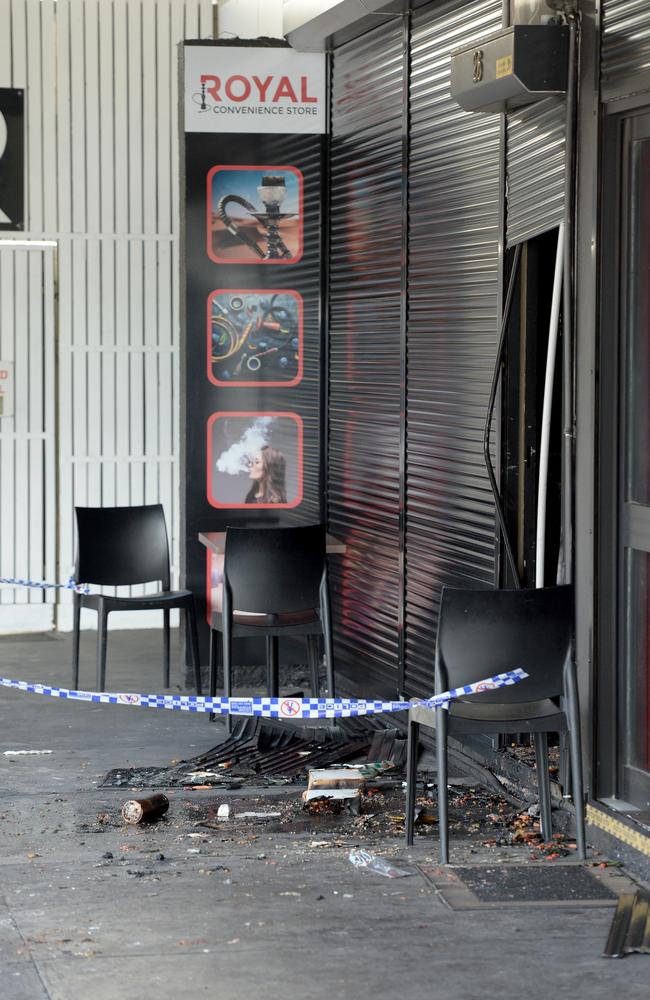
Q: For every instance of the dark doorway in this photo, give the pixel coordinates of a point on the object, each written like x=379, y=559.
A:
x=624, y=591
x=523, y=394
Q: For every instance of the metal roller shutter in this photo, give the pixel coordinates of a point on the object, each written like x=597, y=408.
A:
x=625, y=46
x=366, y=223
x=454, y=228
x=535, y=169
x=304, y=398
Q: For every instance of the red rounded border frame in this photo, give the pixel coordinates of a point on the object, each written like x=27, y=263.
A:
x=247, y=260
x=210, y=458
x=255, y=291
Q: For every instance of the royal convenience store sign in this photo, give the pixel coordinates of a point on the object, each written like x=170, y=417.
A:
x=248, y=89
x=254, y=123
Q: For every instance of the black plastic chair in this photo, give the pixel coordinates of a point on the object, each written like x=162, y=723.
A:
x=274, y=585
x=486, y=632
x=122, y=546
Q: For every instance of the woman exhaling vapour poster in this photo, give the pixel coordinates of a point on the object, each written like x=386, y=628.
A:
x=254, y=460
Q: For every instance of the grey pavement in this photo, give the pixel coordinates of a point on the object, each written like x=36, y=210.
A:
x=90, y=907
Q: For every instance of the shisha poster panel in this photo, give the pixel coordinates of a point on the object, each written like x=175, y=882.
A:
x=254, y=460
x=255, y=213
x=255, y=337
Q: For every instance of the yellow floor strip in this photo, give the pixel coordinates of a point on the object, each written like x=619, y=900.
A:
x=636, y=839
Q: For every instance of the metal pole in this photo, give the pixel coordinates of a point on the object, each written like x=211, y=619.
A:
x=554, y=324
x=565, y=561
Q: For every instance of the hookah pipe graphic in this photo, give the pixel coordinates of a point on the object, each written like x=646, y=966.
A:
x=202, y=105
x=272, y=191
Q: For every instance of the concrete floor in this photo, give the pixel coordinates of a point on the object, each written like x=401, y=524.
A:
x=233, y=914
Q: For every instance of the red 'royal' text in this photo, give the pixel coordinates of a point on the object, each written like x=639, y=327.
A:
x=243, y=88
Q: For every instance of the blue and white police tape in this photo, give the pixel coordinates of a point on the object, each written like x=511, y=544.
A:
x=79, y=588
x=269, y=708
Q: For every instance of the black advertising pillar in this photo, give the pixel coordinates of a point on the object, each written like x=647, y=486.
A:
x=253, y=135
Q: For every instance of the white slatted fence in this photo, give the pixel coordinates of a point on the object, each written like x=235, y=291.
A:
x=100, y=79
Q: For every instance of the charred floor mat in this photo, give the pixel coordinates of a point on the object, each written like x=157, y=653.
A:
x=477, y=887
x=260, y=751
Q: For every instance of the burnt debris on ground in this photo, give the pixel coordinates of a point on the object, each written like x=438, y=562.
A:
x=261, y=751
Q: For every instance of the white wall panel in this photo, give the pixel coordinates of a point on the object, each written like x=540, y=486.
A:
x=27, y=439
x=102, y=183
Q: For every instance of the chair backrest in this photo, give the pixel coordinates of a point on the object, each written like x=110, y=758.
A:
x=275, y=570
x=118, y=546
x=486, y=632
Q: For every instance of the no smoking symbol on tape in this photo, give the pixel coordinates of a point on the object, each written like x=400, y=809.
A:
x=289, y=707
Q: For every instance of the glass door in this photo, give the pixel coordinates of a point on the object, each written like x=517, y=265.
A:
x=634, y=467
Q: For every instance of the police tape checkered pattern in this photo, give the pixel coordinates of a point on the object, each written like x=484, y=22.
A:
x=79, y=588
x=269, y=708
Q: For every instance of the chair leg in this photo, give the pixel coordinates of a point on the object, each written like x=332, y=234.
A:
x=312, y=656
x=102, y=635
x=543, y=785
x=442, y=727
x=412, y=748
x=273, y=682
x=214, y=657
x=76, y=617
x=166, y=644
x=575, y=748
x=227, y=668
x=326, y=617
x=565, y=767
x=193, y=632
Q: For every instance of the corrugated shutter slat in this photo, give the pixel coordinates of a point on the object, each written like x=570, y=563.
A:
x=625, y=44
x=452, y=329
x=535, y=169
x=364, y=352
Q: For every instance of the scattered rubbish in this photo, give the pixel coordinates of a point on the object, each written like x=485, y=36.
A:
x=333, y=802
x=196, y=777
x=366, y=859
x=341, y=784
x=145, y=810
x=630, y=927
x=223, y=812
x=424, y=814
x=558, y=847
x=24, y=753
x=258, y=815
x=371, y=769
x=335, y=778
